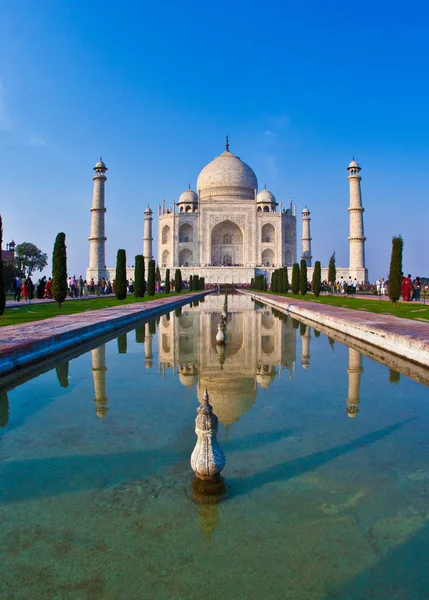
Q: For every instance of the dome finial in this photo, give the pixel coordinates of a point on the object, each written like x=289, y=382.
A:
x=265, y=186
x=227, y=144
x=189, y=186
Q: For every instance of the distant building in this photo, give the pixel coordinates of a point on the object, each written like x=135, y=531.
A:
x=8, y=255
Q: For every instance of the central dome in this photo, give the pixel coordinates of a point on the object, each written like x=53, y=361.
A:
x=227, y=175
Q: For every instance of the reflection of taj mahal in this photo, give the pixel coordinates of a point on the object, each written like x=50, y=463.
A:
x=227, y=231
x=261, y=346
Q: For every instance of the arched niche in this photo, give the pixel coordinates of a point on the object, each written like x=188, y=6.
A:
x=268, y=233
x=165, y=234
x=288, y=257
x=166, y=258
x=268, y=258
x=186, y=233
x=227, y=244
x=186, y=258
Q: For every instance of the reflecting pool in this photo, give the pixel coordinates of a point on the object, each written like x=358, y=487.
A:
x=327, y=467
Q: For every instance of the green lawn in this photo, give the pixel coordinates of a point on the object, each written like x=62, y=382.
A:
x=35, y=312
x=406, y=310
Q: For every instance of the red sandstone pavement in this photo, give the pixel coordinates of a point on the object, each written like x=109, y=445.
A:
x=28, y=337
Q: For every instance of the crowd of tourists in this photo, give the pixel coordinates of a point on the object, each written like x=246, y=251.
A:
x=411, y=290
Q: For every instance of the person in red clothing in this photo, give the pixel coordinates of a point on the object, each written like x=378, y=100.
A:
x=406, y=288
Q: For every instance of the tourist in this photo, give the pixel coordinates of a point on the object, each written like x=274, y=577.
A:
x=72, y=286
x=92, y=286
x=417, y=286
x=378, y=286
x=354, y=286
x=48, y=289
x=80, y=286
x=17, y=288
x=406, y=288
x=342, y=285
x=30, y=289
x=24, y=292
x=350, y=286
x=383, y=287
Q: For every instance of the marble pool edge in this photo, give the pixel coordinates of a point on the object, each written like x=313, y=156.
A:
x=392, y=334
x=26, y=353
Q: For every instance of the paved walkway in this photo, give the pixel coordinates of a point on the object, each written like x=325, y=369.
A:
x=404, y=337
x=22, y=345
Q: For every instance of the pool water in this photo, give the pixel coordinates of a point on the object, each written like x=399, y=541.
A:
x=326, y=478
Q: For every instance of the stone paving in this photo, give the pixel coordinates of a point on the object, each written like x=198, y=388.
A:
x=24, y=344
x=404, y=337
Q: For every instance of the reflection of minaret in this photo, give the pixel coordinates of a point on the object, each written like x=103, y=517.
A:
x=4, y=408
x=355, y=371
x=305, y=348
x=148, y=347
x=99, y=375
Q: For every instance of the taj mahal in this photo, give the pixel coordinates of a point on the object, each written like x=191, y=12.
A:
x=228, y=231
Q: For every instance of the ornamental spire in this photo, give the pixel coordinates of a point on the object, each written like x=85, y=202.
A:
x=227, y=144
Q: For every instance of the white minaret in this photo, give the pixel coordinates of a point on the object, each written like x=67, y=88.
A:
x=306, y=238
x=97, y=238
x=147, y=236
x=357, y=238
x=354, y=371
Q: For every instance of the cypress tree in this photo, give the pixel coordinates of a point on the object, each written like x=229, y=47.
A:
x=332, y=270
x=252, y=283
x=121, y=275
x=62, y=369
x=140, y=334
x=303, y=281
x=264, y=283
x=302, y=329
x=316, y=333
x=178, y=311
x=139, y=277
x=2, y=290
x=191, y=283
x=152, y=322
x=295, y=278
x=59, y=269
x=285, y=279
x=280, y=281
x=273, y=281
x=178, y=281
x=395, y=272
x=151, y=278
x=167, y=281
x=157, y=275
x=316, y=283
x=203, y=286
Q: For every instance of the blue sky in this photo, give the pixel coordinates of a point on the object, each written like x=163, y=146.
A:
x=300, y=87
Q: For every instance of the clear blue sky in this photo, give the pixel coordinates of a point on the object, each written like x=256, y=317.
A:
x=300, y=87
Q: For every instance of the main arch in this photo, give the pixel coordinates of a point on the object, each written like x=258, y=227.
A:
x=227, y=244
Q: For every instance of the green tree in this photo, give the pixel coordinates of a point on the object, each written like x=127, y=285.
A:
x=303, y=281
x=191, y=283
x=157, y=275
x=121, y=275
x=395, y=272
x=2, y=290
x=178, y=281
x=316, y=283
x=273, y=281
x=295, y=278
x=59, y=269
x=62, y=369
x=332, y=270
x=29, y=258
x=139, y=276
x=252, y=283
x=280, y=281
x=122, y=343
x=167, y=282
x=178, y=311
x=151, y=278
x=285, y=280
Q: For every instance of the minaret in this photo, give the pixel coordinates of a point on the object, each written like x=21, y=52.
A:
x=357, y=238
x=97, y=238
x=354, y=371
x=306, y=238
x=147, y=237
x=99, y=375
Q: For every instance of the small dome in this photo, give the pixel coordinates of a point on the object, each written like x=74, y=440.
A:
x=148, y=211
x=353, y=165
x=188, y=197
x=266, y=197
x=227, y=175
x=100, y=165
x=305, y=211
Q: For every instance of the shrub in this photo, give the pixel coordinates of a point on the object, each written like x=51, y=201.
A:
x=167, y=281
x=285, y=280
x=178, y=281
x=151, y=278
x=295, y=278
x=332, y=270
x=59, y=269
x=139, y=277
x=316, y=284
x=121, y=275
x=395, y=272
